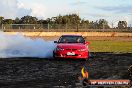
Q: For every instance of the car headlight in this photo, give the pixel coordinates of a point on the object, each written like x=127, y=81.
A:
x=59, y=49
x=83, y=49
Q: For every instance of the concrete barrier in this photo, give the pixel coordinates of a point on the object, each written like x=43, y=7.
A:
x=105, y=34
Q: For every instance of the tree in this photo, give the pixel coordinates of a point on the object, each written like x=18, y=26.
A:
x=42, y=21
x=7, y=21
x=1, y=21
x=28, y=20
x=122, y=24
x=70, y=21
x=17, y=20
x=85, y=23
x=103, y=24
x=91, y=25
x=48, y=20
x=58, y=19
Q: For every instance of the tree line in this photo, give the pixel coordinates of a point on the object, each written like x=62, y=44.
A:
x=71, y=20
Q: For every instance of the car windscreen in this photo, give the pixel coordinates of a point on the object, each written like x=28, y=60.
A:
x=71, y=39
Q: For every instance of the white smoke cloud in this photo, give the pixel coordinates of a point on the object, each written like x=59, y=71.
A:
x=13, y=8
x=38, y=10
x=20, y=46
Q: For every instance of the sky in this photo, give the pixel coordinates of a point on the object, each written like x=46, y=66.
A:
x=111, y=10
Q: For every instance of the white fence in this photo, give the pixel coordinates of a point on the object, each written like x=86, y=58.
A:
x=57, y=28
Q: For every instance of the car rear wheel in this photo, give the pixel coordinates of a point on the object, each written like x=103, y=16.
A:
x=86, y=58
x=90, y=55
x=54, y=55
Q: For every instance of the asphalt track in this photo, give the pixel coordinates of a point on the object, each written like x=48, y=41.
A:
x=50, y=73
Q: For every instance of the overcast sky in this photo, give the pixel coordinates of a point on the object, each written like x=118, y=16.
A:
x=111, y=10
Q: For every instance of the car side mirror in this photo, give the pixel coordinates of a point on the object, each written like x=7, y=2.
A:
x=55, y=42
x=87, y=43
x=85, y=38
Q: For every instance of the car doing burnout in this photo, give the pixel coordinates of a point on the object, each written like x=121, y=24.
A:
x=71, y=46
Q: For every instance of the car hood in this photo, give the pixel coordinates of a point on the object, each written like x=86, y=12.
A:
x=71, y=45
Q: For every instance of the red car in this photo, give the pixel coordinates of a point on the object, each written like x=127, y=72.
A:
x=71, y=46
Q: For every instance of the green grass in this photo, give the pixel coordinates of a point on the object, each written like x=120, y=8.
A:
x=111, y=46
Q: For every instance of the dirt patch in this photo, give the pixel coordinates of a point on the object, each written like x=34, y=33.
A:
x=42, y=73
x=109, y=38
x=94, y=38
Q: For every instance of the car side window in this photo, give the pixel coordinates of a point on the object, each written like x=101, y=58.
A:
x=80, y=40
x=62, y=40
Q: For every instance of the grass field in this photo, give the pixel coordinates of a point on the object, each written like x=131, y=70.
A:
x=111, y=46
x=105, y=44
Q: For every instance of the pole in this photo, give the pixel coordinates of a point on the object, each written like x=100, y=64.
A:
x=78, y=16
x=112, y=26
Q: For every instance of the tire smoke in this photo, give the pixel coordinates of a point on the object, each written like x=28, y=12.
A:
x=21, y=46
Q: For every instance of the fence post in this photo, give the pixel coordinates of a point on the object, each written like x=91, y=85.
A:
x=66, y=27
x=2, y=26
x=48, y=26
x=130, y=26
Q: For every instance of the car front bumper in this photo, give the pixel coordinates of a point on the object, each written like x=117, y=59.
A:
x=78, y=55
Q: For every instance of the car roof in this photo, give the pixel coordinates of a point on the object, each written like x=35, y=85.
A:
x=71, y=35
